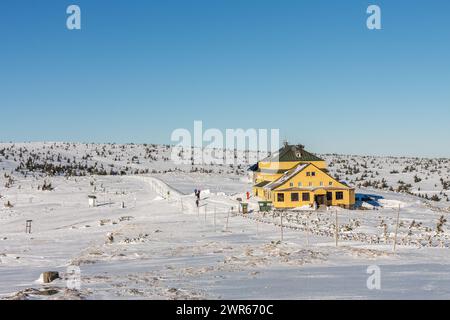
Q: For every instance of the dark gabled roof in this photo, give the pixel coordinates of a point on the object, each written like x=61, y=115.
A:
x=292, y=153
x=262, y=184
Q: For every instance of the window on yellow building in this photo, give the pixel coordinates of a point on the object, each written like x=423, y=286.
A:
x=299, y=184
x=308, y=174
x=330, y=183
x=280, y=197
x=305, y=196
x=294, y=197
x=339, y=195
x=313, y=174
x=291, y=184
x=321, y=183
x=310, y=184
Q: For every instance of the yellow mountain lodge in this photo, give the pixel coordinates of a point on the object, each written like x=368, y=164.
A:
x=294, y=178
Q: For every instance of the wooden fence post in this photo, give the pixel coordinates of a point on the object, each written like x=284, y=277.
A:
x=396, y=229
x=281, y=224
x=337, y=229
x=214, y=219
x=28, y=226
x=228, y=217
x=307, y=229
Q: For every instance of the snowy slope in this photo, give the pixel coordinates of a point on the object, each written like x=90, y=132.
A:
x=164, y=247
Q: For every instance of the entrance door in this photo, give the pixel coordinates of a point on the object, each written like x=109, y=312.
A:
x=329, y=198
x=320, y=199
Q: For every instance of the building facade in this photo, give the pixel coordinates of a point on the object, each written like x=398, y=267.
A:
x=293, y=178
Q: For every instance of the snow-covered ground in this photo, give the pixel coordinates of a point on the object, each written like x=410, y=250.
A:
x=161, y=246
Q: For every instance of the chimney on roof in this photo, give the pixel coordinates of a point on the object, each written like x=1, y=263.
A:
x=298, y=149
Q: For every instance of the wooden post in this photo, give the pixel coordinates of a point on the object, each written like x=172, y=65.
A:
x=396, y=229
x=337, y=229
x=281, y=224
x=214, y=219
x=307, y=229
x=28, y=226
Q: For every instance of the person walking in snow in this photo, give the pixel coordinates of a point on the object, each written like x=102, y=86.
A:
x=197, y=202
x=197, y=193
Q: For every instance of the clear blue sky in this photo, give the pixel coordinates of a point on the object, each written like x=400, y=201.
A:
x=139, y=69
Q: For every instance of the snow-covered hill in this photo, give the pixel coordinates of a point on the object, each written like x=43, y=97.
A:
x=427, y=178
x=147, y=239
